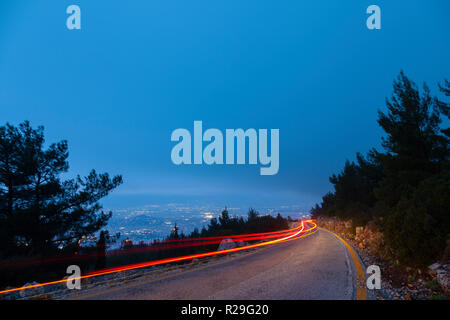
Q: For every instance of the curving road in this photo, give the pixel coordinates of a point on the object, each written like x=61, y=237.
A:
x=318, y=266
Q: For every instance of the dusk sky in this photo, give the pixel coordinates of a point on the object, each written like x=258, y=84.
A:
x=137, y=70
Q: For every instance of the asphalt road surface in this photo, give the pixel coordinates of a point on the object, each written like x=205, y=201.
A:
x=318, y=266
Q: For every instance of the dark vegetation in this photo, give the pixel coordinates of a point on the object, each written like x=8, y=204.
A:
x=405, y=188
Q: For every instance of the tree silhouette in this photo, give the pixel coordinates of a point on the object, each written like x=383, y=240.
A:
x=101, y=251
x=224, y=218
x=174, y=233
x=38, y=210
x=414, y=145
x=445, y=107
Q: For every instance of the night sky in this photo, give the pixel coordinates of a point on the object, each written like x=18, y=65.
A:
x=137, y=70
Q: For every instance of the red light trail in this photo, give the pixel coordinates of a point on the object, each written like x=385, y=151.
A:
x=162, y=245
x=289, y=234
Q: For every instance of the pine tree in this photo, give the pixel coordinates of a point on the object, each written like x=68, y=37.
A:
x=101, y=250
x=224, y=218
x=415, y=185
x=38, y=210
x=174, y=233
x=414, y=145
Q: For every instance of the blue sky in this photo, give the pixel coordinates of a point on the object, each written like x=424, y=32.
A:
x=140, y=69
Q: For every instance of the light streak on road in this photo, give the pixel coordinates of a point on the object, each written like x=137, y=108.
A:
x=162, y=245
x=233, y=236
x=291, y=236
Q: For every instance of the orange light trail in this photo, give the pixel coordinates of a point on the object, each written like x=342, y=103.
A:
x=232, y=236
x=157, y=246
x=292, y=236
